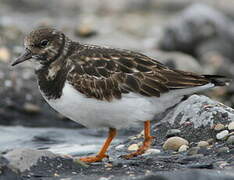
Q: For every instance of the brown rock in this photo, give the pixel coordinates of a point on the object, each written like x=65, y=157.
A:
x=4, y=54
x=174, y=143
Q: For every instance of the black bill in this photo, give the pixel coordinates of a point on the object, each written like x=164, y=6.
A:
x=23, y=57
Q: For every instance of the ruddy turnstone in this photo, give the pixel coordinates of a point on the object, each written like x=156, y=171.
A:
x=102, y=87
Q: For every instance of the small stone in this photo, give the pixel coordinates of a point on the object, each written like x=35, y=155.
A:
x=31, y=108
x=119, y=147
x=222, y=164
x=202, y=144
x=183, y=148
x=103, y=178
x=230, y=140
x=174, y=143
x=222, y=135
x=211, y=141
x=133, y=147
x=4, y=54
x=56, y=175
x=173, y=132
x=193, y=151
x=223, y=150
x=219, y=127
x=85, y=31
x=151, y=151
x=231, y=126
x=231, y=133
x=8, y=83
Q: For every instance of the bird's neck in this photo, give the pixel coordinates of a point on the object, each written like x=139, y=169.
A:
x=52, y=77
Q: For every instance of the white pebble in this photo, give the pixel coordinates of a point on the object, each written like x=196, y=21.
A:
x=222, y=135
x=121, y=146
x=103, y=178
x=183, y=148
x=151, y=151
x=8, y=83
x=133, y=147
x=231, y=126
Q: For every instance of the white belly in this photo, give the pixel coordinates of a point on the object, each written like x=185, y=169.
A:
x=130, y=109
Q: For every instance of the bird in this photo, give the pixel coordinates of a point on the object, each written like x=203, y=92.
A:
x=103, y=87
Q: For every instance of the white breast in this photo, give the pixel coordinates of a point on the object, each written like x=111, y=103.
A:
x=131, y=108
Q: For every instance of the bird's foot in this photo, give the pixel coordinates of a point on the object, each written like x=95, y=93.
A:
x=146, y=145
x=91, y=159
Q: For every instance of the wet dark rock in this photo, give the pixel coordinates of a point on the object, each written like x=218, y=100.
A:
x=35, y=164
x=202, y=166
x=191, y=174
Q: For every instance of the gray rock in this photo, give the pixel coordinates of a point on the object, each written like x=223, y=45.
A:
x=200, y=111
x=173, y=132
x=230, y=140
x=40, y=163
x=195, y=25
x=193, y=151
x=223, y=150
x=24, y=159
x=196, y=117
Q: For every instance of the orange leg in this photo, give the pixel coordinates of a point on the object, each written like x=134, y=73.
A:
x=146, y=144
x=102, y=152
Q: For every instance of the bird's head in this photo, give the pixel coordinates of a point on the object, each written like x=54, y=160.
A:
x=43, y=45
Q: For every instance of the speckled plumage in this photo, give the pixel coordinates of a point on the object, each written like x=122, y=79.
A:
x=105, y=81
x=101, y=87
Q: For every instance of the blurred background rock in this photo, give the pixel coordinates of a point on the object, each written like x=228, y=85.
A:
x=185, y=34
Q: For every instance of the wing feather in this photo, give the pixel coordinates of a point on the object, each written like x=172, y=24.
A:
x=106, y=74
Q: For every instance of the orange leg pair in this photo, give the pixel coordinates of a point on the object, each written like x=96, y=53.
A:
x=112, y=133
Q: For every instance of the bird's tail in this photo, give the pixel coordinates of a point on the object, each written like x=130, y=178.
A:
x=218, y=80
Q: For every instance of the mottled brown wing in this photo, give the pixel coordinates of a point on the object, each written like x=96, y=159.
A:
x=106, y=74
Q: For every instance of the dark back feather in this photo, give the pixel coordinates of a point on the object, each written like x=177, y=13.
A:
x=107, y=74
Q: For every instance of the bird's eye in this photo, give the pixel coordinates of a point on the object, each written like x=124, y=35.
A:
x=44, y=43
